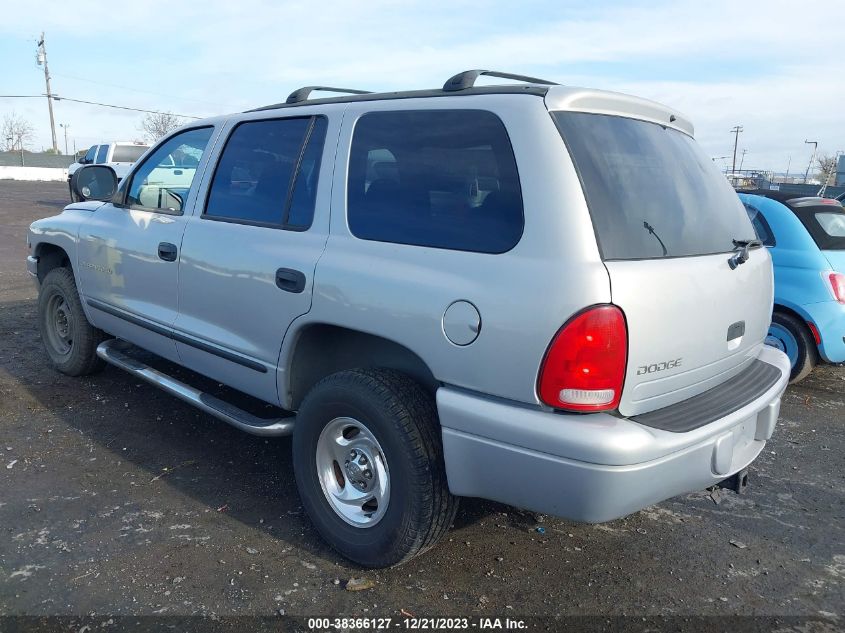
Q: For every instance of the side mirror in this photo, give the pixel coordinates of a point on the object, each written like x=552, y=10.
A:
x=94, y=182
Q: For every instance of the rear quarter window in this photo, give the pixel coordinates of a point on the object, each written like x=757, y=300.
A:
x=437, y=178
x=128, y=153
x=761, y=226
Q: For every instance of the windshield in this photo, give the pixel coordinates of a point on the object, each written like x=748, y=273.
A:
x=651, y=191
x=128, y=153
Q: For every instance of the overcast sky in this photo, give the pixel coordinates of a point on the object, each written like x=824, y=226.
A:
x=773, y=67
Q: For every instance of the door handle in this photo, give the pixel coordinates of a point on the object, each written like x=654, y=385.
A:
x=290, y=280
x=167, y=251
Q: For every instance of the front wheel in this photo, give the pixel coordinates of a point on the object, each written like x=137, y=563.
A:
x=70, y=340
x=793, y=338
x=368, y=461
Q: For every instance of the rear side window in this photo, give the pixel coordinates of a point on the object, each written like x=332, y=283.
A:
x=761, y=226
x=91, y=154
x=651, y=191
x=267, y=173
x=438, y=178
x=101, y=154
x=128, y=153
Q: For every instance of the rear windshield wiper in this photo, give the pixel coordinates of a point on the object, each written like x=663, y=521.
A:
x=648, y=227
x=741, y=255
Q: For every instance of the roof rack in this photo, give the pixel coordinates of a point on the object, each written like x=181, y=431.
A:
x=466, y=79
x=298, y=96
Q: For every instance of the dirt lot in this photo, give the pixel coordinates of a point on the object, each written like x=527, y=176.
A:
x=116, y=498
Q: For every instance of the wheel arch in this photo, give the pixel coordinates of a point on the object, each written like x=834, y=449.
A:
x=51, y=256
x=321, y=349
x=800, y=315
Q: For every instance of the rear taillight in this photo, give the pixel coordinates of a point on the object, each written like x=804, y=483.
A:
x=584, y=367
x=837, y=284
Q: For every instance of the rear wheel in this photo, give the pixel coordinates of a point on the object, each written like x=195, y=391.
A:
x=70, y=340
x=791, y=336
x=368, y=460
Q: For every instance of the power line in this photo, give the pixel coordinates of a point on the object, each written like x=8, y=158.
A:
x=109, y=105
x=97, y=103
x=149, y=92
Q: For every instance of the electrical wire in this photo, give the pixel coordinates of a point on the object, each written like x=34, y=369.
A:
x=96, y=103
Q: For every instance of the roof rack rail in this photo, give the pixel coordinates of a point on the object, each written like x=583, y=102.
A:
x=297, y=96
x=466, y=79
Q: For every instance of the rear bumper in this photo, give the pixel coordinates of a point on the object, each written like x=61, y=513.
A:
x=594, y=467
x=829, y=319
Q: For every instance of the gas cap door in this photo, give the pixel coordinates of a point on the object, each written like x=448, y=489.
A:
x=461, y=323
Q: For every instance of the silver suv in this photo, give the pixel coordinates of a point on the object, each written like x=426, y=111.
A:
x=542, y=295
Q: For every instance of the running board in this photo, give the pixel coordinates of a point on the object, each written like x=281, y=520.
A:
x=111, y=352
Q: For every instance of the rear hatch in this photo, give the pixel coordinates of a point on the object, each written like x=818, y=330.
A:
x=665, y=220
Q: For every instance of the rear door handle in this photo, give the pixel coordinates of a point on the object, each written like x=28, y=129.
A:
x=167, y=251
x=290, y=280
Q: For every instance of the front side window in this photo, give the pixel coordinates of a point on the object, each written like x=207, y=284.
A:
x=761, y=226
x=267, y=173
x=651, y=191
x=101, y=154
x=437, y=178
x=164, y=180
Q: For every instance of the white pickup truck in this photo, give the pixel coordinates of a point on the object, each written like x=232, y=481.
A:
x=119, y=155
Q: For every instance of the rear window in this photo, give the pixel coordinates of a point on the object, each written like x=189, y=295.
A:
x=825, y=225
x=438, y=178
x=128, y=153
x=651, y=191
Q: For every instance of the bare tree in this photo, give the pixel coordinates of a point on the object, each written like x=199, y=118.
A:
x=16, y=132
x=827, y=167
x=156, y=124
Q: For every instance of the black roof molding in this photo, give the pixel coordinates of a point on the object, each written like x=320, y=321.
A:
x=300, y=95
x=466, y=79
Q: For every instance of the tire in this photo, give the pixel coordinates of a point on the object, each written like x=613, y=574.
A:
x=793, y=337
x=393, y=421
x=70, y=340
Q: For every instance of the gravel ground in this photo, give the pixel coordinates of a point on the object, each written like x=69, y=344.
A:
x=116, y=498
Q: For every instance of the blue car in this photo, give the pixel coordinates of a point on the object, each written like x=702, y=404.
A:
x=806, y=238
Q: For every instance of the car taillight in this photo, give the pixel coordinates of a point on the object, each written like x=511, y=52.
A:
x=837, y=284
x=584, y=367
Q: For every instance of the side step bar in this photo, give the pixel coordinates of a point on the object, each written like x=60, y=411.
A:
x=112, y=351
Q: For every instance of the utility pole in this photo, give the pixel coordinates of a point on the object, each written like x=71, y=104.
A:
x=736, y=130
x=788, y=165
x=41, y=58
x=815, y=145
x=742, y=160
x=65, y=126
